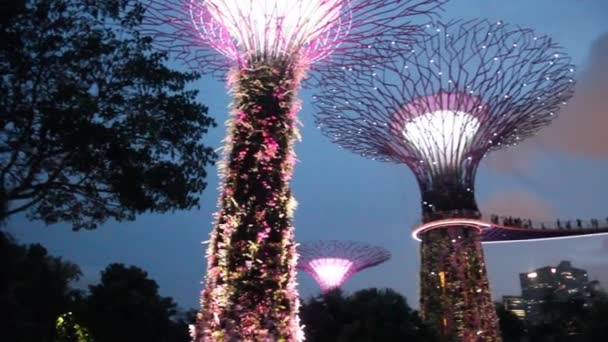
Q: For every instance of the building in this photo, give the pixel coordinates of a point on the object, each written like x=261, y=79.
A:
x=552, y=283
x=516, y=305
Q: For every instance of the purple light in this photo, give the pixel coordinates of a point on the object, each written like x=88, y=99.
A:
x=440, y=127
x=503, y=84
x=477, y=224
x=332, y=263
x=269, y=45
x=449, y=101
x=439, y=107
x=484, y=226
x=330, y=272
x=547, y=239
x=274, y=29
x=213, y=35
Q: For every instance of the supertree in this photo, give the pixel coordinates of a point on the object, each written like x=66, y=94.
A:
x=331, y=263
x=439, y=108
x=268, y=45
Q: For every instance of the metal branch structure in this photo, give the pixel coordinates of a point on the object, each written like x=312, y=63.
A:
x=268, y=45
x=439, y=108
x=214, y=35
x=331, y=263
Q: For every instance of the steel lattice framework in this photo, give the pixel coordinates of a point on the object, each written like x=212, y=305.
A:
x=331, y=263
x=211, y=35
x=439, y=107
x=443, y=104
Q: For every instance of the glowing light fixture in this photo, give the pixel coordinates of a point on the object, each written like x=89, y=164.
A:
x=443, y=136
x=274, y=28
x=532, y=275
x=331, y=263
x=442, y=279
x=331, y=272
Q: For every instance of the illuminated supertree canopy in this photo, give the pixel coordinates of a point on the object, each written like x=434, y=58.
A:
x=439, y=107
x=304, y=31
x=443, y=104
x=332, y=263
x=268, y=45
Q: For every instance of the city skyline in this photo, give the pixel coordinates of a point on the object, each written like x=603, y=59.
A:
x=557, y=282
x=325, y=173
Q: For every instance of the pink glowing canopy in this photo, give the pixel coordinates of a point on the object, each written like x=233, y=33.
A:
x=332, y=263
x=440, y=127
x=501, y=81
x=292, y=31
x=331, y=272
x=442, y=101
x=270, y=29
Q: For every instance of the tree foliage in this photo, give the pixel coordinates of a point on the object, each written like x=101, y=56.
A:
x=596, y=326
x=93, y=125
x=39, y=304
x=34, y=291
x=126, y=306
x=366, y=316
x=571, y=319
x=68, y=330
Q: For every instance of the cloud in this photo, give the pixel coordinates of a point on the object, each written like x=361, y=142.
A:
x=582, y=127
x=518, y=203
x=604, y=246
x=592, y=257
x=513, y=160
x=597, y=271
x=600, y=248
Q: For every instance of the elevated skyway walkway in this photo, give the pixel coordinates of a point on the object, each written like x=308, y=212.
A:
x=500, y=229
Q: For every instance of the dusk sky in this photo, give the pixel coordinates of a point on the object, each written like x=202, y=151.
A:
x=561, y=173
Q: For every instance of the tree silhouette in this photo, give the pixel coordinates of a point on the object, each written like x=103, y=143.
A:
x=38, y=303
x=34, y=291
x=126, y=307
x=562, y=319
x=596, y=327
x=93, y=125
x=366, y=316
x=324, y=315
x=512, y=328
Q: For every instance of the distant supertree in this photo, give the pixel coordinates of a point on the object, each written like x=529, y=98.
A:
x=439, y=108
x=332, y=263
x=268, y=45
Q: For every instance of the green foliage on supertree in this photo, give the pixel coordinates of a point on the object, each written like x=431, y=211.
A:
x=454, y=288
x=250, y=285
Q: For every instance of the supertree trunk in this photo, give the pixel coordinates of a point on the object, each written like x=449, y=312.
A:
x=250, y=289
x=455, y=293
